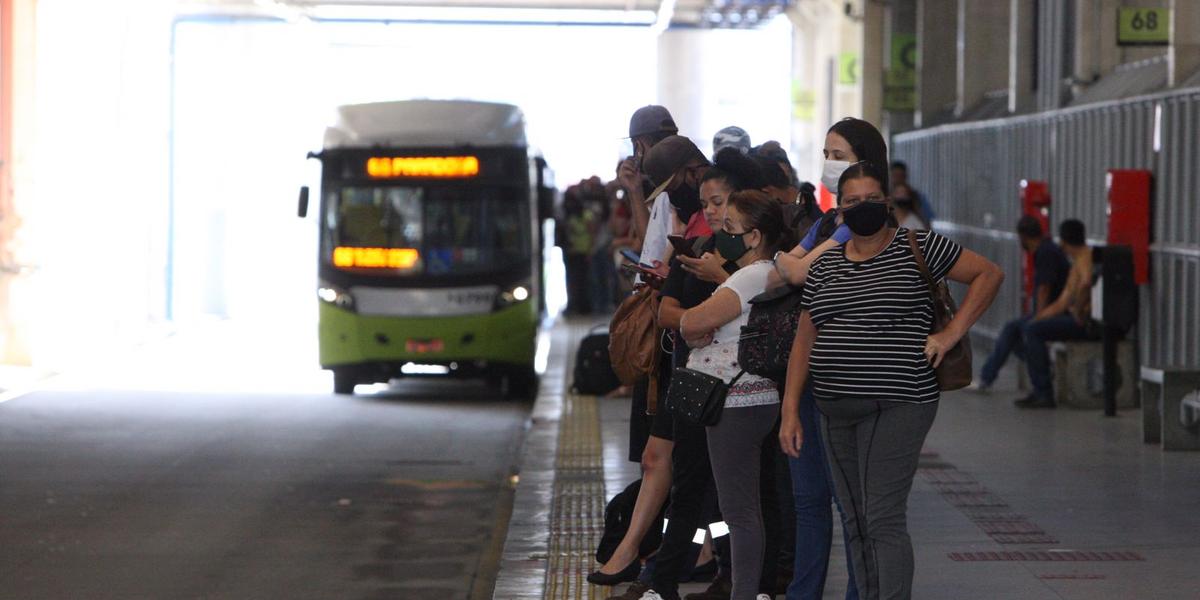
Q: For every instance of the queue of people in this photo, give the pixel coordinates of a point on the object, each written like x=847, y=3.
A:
x=844, y=427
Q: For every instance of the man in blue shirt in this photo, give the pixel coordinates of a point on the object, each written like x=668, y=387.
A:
x=1050, y=271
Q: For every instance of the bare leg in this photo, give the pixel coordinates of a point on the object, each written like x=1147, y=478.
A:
x=656, y=483
x=706, y=551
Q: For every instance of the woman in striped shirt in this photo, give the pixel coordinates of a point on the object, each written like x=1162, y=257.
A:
x=866, y=337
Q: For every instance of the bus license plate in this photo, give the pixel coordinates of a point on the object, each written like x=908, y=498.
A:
x=424, y=346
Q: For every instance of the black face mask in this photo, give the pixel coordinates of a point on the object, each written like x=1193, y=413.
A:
x=866, y=218
x=686, y=201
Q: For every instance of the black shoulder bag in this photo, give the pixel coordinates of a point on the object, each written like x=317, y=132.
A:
x=698, y=398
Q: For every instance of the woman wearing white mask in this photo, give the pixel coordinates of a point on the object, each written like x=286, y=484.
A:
x=847, y=142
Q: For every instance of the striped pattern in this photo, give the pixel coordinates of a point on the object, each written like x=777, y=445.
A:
x=872, y=319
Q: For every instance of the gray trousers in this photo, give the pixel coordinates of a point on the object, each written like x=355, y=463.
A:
x=873, y=448
x=734, y=447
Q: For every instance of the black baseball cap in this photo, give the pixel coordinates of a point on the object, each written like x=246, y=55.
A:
x=651, y=119
x=666, y=158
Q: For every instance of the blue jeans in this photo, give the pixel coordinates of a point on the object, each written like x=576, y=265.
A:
x=1037, y=356
x=1009, y=342
x=812, y=490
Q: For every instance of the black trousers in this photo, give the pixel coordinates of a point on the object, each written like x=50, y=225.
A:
x=693, y=503
x=578, y=300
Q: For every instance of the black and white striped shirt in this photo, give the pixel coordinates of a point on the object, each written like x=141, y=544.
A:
x=872, y=319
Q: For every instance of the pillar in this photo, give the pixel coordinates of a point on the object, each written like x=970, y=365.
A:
x=937, y=59
x=982, y=46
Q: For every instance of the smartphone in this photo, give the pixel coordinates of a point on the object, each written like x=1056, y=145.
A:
x=631, y=256
x=682, y=246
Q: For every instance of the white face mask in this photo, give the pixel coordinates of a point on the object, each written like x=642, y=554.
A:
x=832, y=173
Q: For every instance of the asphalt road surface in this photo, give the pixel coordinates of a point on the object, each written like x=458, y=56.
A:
x=219, y=493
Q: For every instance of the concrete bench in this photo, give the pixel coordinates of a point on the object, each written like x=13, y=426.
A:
x=1079, y=374
x=1171, y=407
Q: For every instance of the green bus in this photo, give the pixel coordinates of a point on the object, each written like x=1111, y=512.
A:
x=431, y=244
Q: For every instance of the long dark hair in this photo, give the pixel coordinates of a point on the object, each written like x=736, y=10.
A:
x=759, y=211
x=866, y=142
x=737, y=170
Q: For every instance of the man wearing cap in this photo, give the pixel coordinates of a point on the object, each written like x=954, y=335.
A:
x=731, y=137
x=676, y=166
x=648, y=126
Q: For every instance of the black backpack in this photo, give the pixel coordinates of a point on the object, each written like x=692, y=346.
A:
x=766, y=339
x=617, y=515
x=593, y=368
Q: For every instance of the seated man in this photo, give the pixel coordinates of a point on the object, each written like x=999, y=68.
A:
x=1050, y=269
x=1064, y=319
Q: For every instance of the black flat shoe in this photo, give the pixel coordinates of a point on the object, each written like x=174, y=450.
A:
x=629, y=573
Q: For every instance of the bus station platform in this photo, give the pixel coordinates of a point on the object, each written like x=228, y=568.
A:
x=1007, y=503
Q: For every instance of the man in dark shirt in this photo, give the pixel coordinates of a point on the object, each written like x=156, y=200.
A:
x=1050, y=268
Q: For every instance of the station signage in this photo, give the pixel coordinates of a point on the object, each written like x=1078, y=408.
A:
x=900, y=81
x=1144, y=27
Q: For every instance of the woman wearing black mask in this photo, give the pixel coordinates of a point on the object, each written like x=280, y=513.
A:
x=752, y=232
x=865, y=335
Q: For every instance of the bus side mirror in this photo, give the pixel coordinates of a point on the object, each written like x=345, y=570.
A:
x=303, y=210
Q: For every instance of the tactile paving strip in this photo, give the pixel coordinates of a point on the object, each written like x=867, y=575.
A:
x=990, y=512
x=577, y=514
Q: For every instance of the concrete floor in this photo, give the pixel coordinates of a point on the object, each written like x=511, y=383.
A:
x=1008, y=503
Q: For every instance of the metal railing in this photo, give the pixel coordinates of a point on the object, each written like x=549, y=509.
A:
x=971, y=172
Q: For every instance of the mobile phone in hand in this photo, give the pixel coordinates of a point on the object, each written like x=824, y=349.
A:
x=683, y=247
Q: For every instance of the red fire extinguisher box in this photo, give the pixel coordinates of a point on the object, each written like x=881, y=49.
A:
x=1129, y=216
x=1035, y=202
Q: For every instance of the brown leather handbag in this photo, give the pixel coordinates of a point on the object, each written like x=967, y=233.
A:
x=633, y=339
x=955, y=371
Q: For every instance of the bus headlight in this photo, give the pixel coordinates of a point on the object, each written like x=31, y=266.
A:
x=513, y=295
x=336, y=296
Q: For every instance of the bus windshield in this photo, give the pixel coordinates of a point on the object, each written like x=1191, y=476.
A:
x=440, y=229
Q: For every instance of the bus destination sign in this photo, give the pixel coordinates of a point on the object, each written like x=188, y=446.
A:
x=437, y=167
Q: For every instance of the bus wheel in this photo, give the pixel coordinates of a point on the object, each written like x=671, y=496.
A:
x=521, y=384
x=343, y=381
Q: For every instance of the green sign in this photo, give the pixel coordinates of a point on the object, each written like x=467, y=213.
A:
x=848, y=68
x=1144, y=27
x=900, y=80
x=902, y=68
x=804, y=102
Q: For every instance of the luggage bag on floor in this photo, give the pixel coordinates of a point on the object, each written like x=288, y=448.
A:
x=593, y=369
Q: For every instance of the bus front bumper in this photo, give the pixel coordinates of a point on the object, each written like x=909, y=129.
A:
x=473, y=344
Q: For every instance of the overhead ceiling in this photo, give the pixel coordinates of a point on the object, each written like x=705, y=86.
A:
x=704, y=13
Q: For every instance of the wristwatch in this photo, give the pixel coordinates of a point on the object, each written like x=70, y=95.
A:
x=775, y=259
